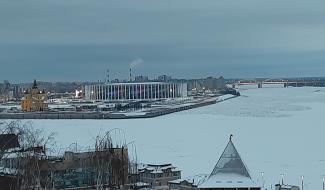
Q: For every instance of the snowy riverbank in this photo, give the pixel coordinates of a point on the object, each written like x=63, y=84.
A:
x=276, y=130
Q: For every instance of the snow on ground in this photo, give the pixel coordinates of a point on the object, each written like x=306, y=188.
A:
x=276, y=131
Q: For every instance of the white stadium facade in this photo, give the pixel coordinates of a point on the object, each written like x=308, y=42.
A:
x=135, y=91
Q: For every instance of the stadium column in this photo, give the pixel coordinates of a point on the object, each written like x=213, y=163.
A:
x=100, y=92
x=140, y=91
x=168, y=90
x=144, y=91
x=108, y=88
x=110, y=92
x=92, y=91
x=147, y=91
x=136, y=92
x=102, y=89
x=125, y=92
x=165, y=91
x=118, y=92
x=98, y=89
x=174, y=90
x=150, y=96
x=96, y=92
x=155, y=91
x=132, y=91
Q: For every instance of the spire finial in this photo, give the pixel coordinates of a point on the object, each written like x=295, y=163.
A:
x=230, y=138
x=35, y=84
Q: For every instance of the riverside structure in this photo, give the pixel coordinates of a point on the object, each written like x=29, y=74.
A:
x=135, y=91
x=230, y=172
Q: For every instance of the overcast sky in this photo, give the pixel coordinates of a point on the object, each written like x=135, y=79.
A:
x=77, y=40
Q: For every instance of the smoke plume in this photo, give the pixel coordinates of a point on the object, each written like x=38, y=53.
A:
x=136, y=63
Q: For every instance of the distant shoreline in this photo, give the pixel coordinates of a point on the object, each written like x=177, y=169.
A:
x=103, y=115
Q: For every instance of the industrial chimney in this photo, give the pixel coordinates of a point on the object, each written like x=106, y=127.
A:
x=107, y=76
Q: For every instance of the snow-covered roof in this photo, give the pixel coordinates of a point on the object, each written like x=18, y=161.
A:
x=179, y=181
x=230, y=171
x=157, y=168
x=229, y=180
x=287, y=187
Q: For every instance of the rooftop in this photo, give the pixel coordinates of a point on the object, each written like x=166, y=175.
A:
x=230, y=171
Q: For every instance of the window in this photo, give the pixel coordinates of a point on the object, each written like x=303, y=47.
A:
x=176, y=173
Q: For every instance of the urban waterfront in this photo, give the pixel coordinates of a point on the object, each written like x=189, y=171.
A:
x=277, y=131
x=162, y=95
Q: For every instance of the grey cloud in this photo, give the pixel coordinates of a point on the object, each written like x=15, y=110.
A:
x=231, y=38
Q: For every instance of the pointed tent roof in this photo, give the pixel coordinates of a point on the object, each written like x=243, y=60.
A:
x=230, y=162
x=230, y=171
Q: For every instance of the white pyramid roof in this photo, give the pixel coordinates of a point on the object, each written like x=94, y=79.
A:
x=230, y=171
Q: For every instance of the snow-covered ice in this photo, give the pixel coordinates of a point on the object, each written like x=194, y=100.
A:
x=276, y=131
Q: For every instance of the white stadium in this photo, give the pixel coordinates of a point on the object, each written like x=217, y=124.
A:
x=135, y=91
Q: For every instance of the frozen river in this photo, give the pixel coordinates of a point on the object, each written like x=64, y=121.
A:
x=276, y=131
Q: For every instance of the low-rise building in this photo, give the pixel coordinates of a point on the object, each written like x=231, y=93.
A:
x=206, y=86
x=182, y=185
x=141, y=79
x=158, y=175
x=76, y=170
x=286, y=187
x=164, y=78
x=105, y=167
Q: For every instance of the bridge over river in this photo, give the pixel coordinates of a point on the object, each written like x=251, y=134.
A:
x=278, y=83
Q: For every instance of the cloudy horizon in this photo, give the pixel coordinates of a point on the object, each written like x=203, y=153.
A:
x=78, y=40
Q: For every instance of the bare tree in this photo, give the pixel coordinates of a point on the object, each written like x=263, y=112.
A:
x=110, y=160
x=25, y=160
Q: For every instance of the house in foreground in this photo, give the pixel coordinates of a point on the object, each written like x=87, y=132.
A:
x=230, y=173
x=285, y=187
x=182, y=185
x=158, y=175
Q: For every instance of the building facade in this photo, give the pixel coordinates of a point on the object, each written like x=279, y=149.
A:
x=209, y=84
x=104, y=169
x=135, y=91
x=182, y=185
x=34, y=100
x=286, y=187
x=158, y=176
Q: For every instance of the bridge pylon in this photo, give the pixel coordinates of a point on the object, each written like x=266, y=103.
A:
x=260, y=85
